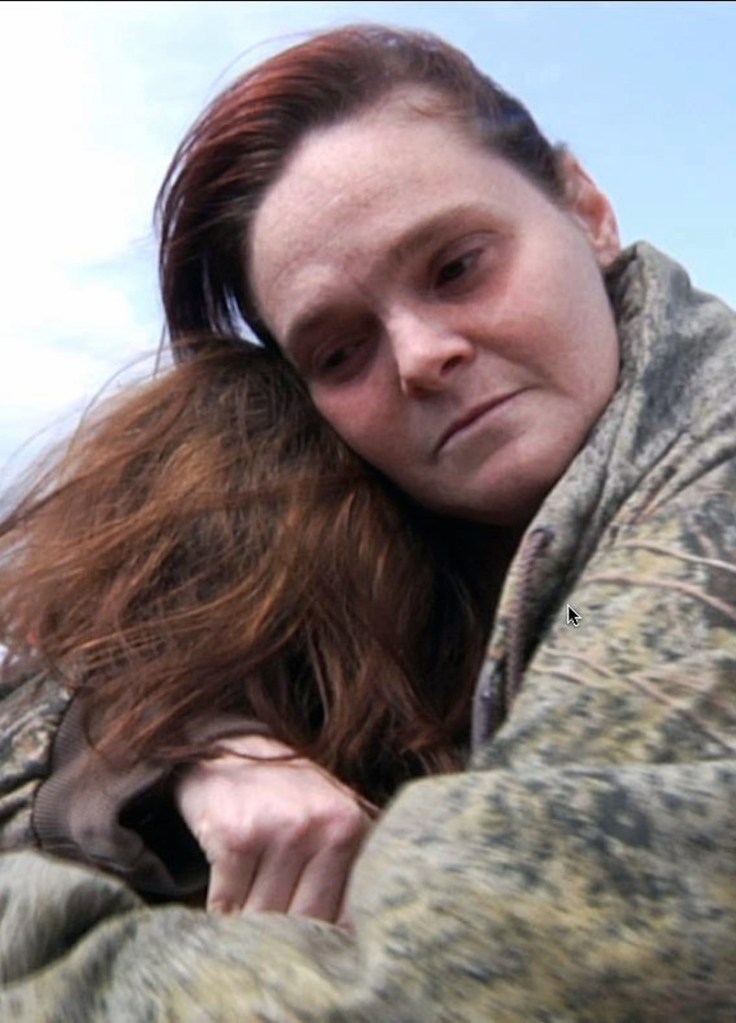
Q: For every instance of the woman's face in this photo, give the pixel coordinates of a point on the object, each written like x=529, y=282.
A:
x=449, y=319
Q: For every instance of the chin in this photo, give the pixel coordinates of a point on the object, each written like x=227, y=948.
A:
x=505, y=492
x=506, y=510
x=508, y=500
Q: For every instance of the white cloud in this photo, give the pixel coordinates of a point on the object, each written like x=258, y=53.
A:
x=93, y=100
x=76, y=190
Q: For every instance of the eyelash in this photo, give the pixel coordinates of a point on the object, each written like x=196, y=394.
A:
x=466, y=262
x=335, y=359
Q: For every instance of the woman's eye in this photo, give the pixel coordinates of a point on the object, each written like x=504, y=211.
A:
x=455, y=269
x=338, y=359
x=335, y=359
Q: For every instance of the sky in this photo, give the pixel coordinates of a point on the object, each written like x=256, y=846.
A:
x=95, y=96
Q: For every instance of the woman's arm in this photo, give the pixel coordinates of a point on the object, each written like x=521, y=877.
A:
x=584, y=869
x=582, y=894
x=59, y=795
x=123, y=820
x=273, y=835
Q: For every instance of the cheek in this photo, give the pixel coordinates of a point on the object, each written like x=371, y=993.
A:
x=604, y=355
x=358, y=418
x=377, y=430
x=592, y=347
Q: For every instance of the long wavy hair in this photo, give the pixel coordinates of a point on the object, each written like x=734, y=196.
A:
x=205, y=545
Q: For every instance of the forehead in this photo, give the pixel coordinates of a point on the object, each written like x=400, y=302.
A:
x=356, y=197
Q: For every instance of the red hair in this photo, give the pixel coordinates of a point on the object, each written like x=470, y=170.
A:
x=206, y=545
x=241, y=143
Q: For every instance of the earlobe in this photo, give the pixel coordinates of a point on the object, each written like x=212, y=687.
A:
x=592, y=211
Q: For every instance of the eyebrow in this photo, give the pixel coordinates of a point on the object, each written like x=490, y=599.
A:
x=419, y=236
x=307, y=323
x=407, y=245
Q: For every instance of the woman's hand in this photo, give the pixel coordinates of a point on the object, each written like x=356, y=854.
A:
x=278, y=836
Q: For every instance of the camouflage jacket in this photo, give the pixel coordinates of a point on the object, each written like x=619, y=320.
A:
x=584, y=866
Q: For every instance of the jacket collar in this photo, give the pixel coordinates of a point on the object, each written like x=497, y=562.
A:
x=671, y=341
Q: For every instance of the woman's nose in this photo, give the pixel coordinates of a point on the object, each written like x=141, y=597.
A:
x=427, y=352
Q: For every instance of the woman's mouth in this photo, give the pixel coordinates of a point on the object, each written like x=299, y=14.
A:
x=465, y=423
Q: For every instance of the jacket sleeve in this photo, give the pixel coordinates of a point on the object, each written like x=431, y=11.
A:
x=123, y=821
x=583, y=869
x=30, y=714
x=595, y=896
x=58, y=794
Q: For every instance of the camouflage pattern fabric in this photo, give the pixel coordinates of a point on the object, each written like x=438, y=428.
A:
x=583, y=868
x=30, y=716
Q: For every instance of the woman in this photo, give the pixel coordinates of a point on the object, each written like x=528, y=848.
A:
x=396, y=226
x=452, y=291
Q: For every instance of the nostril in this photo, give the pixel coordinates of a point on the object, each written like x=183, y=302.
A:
x=453, y=362
x=423, y=370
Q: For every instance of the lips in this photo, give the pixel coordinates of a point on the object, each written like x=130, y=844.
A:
x=469, y=417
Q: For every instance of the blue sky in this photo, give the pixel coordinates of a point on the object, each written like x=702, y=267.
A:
x=95, y=97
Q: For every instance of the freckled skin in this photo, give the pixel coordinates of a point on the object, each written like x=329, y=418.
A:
x=504, y=298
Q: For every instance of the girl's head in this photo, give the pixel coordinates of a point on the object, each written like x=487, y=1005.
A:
x=206, y=545
x=392, y=221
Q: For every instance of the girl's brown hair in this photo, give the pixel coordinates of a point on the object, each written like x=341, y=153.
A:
x=206, y=545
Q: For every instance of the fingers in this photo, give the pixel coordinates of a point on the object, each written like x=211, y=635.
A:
x=322, y=884
x=280, y=836
x=274, y=884
x=231, y=879
x=320, y=890
x=307, y=875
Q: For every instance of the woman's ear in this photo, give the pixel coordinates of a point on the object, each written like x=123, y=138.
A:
x=591, y=209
